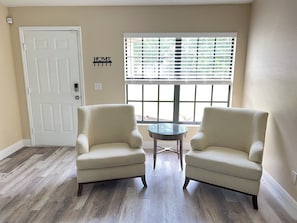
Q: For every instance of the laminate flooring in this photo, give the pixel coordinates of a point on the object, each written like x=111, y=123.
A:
x=39, y=185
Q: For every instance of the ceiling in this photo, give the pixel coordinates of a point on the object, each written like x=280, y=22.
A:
x=21, y=3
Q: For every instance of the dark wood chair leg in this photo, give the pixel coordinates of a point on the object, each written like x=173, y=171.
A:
x=255, y=202
x=187, y=180
x=80, y=187
x=144, y=181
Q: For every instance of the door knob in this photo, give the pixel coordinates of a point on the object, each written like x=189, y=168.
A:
x=76, y=97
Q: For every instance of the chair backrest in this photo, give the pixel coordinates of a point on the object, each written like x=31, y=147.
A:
x=106, y=123
x=236, y=128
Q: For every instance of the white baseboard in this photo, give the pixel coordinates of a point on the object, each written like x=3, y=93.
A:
x=27, y=142
x=282, y=196
x=13, y=148
x=166, y=143
x=148, y=145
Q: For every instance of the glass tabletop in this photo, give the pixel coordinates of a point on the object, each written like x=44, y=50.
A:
x=167, y=129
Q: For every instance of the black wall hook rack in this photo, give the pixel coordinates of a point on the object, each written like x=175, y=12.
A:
x=102, y=60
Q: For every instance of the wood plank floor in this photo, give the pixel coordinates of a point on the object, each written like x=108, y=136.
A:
x=39, y=185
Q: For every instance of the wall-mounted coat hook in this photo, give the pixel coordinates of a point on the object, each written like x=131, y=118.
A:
x=102, y=60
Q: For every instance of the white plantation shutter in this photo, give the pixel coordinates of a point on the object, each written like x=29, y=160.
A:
x=179, y=58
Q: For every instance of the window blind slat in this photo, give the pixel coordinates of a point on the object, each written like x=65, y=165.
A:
x=179, y=58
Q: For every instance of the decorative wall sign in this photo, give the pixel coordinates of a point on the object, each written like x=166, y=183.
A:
x=102, y=60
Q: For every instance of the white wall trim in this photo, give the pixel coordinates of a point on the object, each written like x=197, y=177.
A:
x=166, y=143
x=11, y=149
x=147, y=144
x=27, y=142
x=282, y=196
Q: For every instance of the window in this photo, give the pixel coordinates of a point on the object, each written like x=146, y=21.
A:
x=172, y=77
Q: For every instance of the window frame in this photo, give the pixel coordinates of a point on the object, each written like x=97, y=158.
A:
x=176, y=104
x=178, y=82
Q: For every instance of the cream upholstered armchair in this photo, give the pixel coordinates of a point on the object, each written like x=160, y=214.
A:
x=227, y=150
x=108, y=145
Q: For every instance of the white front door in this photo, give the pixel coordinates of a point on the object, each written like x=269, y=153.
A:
x=53, y=73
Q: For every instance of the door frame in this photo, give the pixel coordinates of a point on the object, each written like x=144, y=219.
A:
x=22, y=29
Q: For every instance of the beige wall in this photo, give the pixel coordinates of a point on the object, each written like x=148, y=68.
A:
x=102, y=35
x=271, y=83
x=10, y=125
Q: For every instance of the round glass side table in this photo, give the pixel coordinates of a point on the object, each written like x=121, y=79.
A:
x=168, y=131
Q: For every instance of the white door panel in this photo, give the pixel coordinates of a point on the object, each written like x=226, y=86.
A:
x=53, y=66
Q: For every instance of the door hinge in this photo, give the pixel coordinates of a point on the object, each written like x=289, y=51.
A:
x=29, y=90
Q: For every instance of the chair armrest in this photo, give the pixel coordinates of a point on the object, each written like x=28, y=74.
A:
x=198, y=141
x=82, y=144
x=135, y=140
x=256, y=152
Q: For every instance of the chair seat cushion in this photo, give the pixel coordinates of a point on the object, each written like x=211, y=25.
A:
x=110, y=155
x=225, y=161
